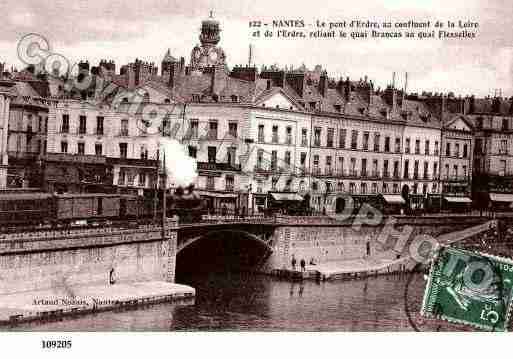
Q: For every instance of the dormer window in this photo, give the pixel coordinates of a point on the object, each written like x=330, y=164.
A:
x=234, y=98
x=338, y=108
x=167, y=100
x=383, y=112
x=312, y=106
x=361, y=110
x=195, y=97
x=125, y=99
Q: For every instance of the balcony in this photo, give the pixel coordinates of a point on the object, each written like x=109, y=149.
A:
x=455, y=178
x=218, y=166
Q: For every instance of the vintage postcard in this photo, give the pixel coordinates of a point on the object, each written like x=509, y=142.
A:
x=260, y=166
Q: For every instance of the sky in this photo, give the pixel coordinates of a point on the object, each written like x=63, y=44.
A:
x=123, y=31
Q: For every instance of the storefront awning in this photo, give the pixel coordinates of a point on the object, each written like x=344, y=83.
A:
x=501, y=197
x=286, y=197
x=457, y=199
x=393, y=198
x=216, y=194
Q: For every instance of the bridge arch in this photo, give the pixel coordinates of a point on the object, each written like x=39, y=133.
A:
x=266, y=243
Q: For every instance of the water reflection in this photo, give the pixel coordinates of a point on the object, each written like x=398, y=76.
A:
x=256, y=302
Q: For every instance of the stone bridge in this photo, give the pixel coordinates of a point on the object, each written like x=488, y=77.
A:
x=43, y=259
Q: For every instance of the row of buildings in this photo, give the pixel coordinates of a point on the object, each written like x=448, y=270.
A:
x=284, y=132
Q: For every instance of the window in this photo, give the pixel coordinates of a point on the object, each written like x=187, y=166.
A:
x=455, y=171
x=503, y=147
x=457, y=150
x=436, y=148
x=65, y=124
x=465, y=150
x=448, y=149
x=364, y=167
x=82, y=125
x=274, y=160
x=341, y=166
x=229, y=181
x=64, y=147
x=426, y=148
x=342, y=138
x=193, y=130
x=385, y=169
x=289, y=135
x=396, y=188
x=406, y=168
x=142, y=179
x=81, y=148
x=407, y=146
x=98, y=149
x=374, y=168
x=274, y=182
x=123, y=150
x=302, y=159
x=385, y=187
x=397, y=145
x=328, y=166
x=353, y=167
x=329, y=139
x=416, y=170
x=287, y=158
x=193, y=151
x=505, y=126
x=365, y=141
x=124, y=127
x=212, y=154
x=260, y=159
x=144, y=152
x=374, y=187
x=275, y=138
x=304, y=134
x=99, y=125
x=426, y=173
x=387, y=144
x=340, y=187
x=315, y=186
x=363, y=187
x=352, y=187
x=212, y=130
x=354, y=139
x=465, y=171
x=396, y=169
x=210, y=182
x=316, y=164
x=317, y=136
x=261, y=133
x=446, y=171
x=232, y=129
x=502, y=168
x=376, y=142
x=424, y=188
x=417, y=147
x=435, y=170
x=230, y=154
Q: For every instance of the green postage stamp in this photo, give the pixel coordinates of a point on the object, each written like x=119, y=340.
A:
x=469, y=288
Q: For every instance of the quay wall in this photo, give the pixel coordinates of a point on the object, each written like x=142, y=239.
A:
x=65, y=258
x=332, y=241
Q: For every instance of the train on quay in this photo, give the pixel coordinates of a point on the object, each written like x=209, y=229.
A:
x=26, y=209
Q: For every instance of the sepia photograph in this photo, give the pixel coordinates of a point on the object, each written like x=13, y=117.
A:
x=255, y=166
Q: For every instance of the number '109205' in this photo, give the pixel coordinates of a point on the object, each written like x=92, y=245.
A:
x=56, y=344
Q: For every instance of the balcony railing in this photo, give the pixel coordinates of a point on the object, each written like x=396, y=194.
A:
x=218, y=166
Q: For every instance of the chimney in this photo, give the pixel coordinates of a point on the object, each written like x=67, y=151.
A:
x=323, y=83
x=403, y=102
x=347, y=89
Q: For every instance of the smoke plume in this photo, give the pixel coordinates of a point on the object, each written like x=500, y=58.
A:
x=180, y=168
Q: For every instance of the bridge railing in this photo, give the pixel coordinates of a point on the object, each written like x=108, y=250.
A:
x=216, y=219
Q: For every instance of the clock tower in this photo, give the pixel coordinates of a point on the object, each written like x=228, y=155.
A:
x=208, y=54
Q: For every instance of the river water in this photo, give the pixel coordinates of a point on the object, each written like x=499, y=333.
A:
x=252, y=302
